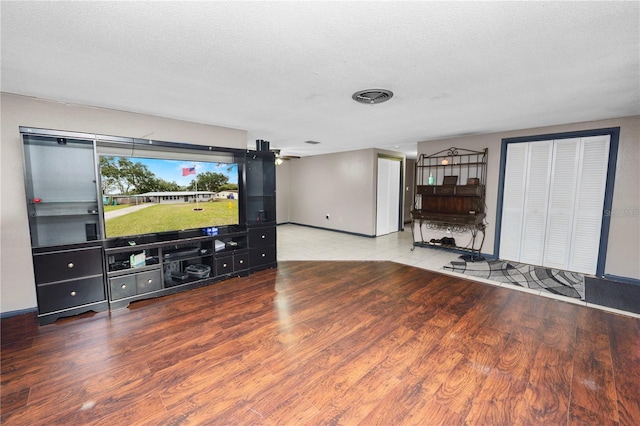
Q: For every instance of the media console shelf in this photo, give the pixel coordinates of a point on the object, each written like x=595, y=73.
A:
x=161, y=268
x=449, y=198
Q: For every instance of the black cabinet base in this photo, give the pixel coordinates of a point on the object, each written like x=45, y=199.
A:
x=124, y=302
x=264, y=266
x=51, y=317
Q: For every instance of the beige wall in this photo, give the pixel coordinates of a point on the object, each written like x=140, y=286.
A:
x=623, y=255
x=17, y=290
x=342, y=185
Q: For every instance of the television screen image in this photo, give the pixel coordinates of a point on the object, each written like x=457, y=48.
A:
x=152, y=195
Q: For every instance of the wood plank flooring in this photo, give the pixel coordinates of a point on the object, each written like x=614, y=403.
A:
x=371, y=343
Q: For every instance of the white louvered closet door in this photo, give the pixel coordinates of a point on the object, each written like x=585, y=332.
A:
x=559, y=229
x=590, y=187
x=535, y=202
x=560, y=187
x=515, y=179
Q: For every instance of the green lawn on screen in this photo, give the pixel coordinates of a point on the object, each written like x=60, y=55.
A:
x=171, y=217
x=111, y=207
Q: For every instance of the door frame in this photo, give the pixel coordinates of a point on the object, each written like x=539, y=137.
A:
x=614, y=136
x=400, y=224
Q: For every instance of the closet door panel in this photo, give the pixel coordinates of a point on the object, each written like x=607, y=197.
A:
x=536, y=202
x=561, y=203
x=592, y=176
x=513, y=201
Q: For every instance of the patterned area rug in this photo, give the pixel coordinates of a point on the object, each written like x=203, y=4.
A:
x=565, y=283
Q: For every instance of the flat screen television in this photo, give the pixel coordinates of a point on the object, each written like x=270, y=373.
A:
x=142, y=195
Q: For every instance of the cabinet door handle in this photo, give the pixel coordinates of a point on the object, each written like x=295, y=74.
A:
x=70, y=265
x=241, y=261
x=224, y=265
x=149, y=281
x=264, y=254
x=123, y=286
x=263, y=237
x=73, y=293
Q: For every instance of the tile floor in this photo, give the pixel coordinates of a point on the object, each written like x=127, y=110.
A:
x=305, y=243
x=297, y=242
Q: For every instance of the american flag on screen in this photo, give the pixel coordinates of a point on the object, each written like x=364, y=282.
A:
x=188, y=171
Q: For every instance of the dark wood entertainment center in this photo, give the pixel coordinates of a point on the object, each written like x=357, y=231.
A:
x=77, y=269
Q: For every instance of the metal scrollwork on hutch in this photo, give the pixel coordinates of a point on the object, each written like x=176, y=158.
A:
x=450, y=196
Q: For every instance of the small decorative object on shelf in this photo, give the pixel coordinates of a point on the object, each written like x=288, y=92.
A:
x=443, y=205
x=138, y=260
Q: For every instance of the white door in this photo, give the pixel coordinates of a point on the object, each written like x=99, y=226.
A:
x=388, y=196
x=515, y=181
x=561, y=203
x=552, y=202
x=535, y=202
x=590, y=187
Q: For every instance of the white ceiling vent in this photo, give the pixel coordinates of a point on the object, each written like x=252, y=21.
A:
x=372, y=96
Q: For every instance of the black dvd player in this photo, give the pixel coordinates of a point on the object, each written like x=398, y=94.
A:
x=183, y=252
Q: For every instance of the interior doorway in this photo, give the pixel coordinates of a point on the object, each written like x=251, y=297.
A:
x=389, y=199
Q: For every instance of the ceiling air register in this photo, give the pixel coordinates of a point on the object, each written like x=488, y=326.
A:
x=372, y=96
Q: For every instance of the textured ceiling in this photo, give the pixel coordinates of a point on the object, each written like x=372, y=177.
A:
x=285, y=71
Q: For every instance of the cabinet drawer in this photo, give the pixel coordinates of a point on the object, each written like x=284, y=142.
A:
x=241, y=261
x=132, y=284
x=148, y=281
x=425, y=189
x=121, y=287
x=262, y=256
x=67, y=265
x=444, y=190
x=69, y=294
x=262, y=237
x=224, y=265
x=469, y=190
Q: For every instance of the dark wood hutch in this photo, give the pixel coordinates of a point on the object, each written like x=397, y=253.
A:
x=449, y=196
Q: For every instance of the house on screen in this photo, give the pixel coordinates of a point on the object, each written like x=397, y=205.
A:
x=175, y=197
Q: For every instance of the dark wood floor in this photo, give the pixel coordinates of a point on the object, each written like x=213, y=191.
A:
x=328, y=343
